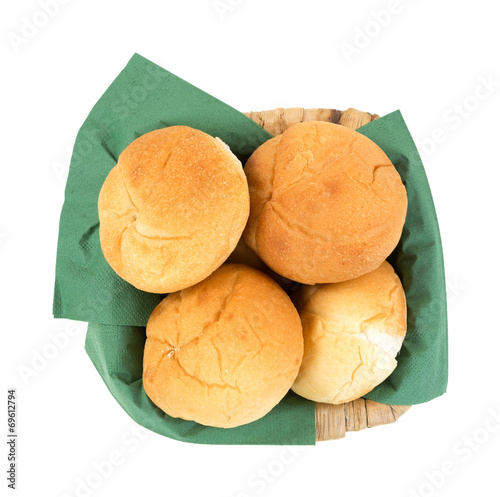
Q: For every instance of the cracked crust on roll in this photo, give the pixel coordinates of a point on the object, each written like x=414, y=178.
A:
x=224, y=352
x=326, y=203
x=352, y=333
x=172, y=209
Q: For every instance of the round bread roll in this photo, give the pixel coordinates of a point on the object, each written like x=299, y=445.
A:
x=172, y=209
x=352, y=333
x=224, y=352
x=326, y=203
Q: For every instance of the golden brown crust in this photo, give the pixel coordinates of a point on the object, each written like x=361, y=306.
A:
x=352, y=333
x=225, y=351
x=172, y=209
x=326, y=203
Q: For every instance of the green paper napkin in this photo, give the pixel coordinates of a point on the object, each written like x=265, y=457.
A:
x=146, y=97
x=422, y=371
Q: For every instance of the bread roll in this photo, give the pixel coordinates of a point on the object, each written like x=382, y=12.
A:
x=172, y=209
x=352, y=333
x=224, y=352
x=326, y=203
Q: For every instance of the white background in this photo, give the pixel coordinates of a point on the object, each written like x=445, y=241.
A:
x=429, y=60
